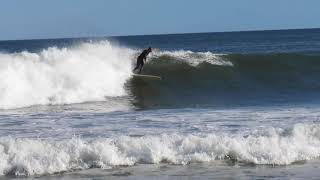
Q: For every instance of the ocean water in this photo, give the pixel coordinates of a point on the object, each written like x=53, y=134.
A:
x=237, y=105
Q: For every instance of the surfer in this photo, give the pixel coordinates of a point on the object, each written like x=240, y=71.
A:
x=142, y=58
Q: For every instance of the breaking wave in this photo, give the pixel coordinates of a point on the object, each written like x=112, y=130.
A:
x=92, y=71
x=273, y=147
x=86, y=72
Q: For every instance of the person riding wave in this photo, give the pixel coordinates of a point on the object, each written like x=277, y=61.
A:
x=142, y=58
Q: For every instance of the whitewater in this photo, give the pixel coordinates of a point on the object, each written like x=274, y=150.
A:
x=86, y=72
x=111, y=140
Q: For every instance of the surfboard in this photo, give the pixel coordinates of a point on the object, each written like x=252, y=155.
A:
x=147, y=76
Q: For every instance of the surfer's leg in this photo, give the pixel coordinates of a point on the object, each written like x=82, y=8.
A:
x=141, y=67
x=137, y=67
x=138, y=64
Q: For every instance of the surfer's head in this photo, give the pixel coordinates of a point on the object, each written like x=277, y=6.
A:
x=150, y=49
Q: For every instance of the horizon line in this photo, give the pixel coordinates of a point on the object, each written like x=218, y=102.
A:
x=159, y=34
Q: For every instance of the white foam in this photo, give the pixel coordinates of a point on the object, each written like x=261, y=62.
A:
x=194, y=58
x=87, y=72
x=273, y=146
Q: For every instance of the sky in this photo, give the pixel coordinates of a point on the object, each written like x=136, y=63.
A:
x=42, y=19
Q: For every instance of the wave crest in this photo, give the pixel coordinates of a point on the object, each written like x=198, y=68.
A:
x=192, y=58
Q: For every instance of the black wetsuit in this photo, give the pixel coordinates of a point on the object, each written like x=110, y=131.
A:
x=140, y=60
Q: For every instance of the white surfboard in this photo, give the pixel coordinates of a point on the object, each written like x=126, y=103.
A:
x=147, y=76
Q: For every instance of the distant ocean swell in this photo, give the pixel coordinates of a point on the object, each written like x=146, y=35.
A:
x=274, y=146
x=95, y=70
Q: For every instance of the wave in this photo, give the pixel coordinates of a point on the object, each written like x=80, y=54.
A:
x=204, y=78
x=252, y=66
x=274, y=146
x=94, y=71
x=84, y=72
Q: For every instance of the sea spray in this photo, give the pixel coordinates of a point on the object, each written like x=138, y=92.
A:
x=85, y=72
